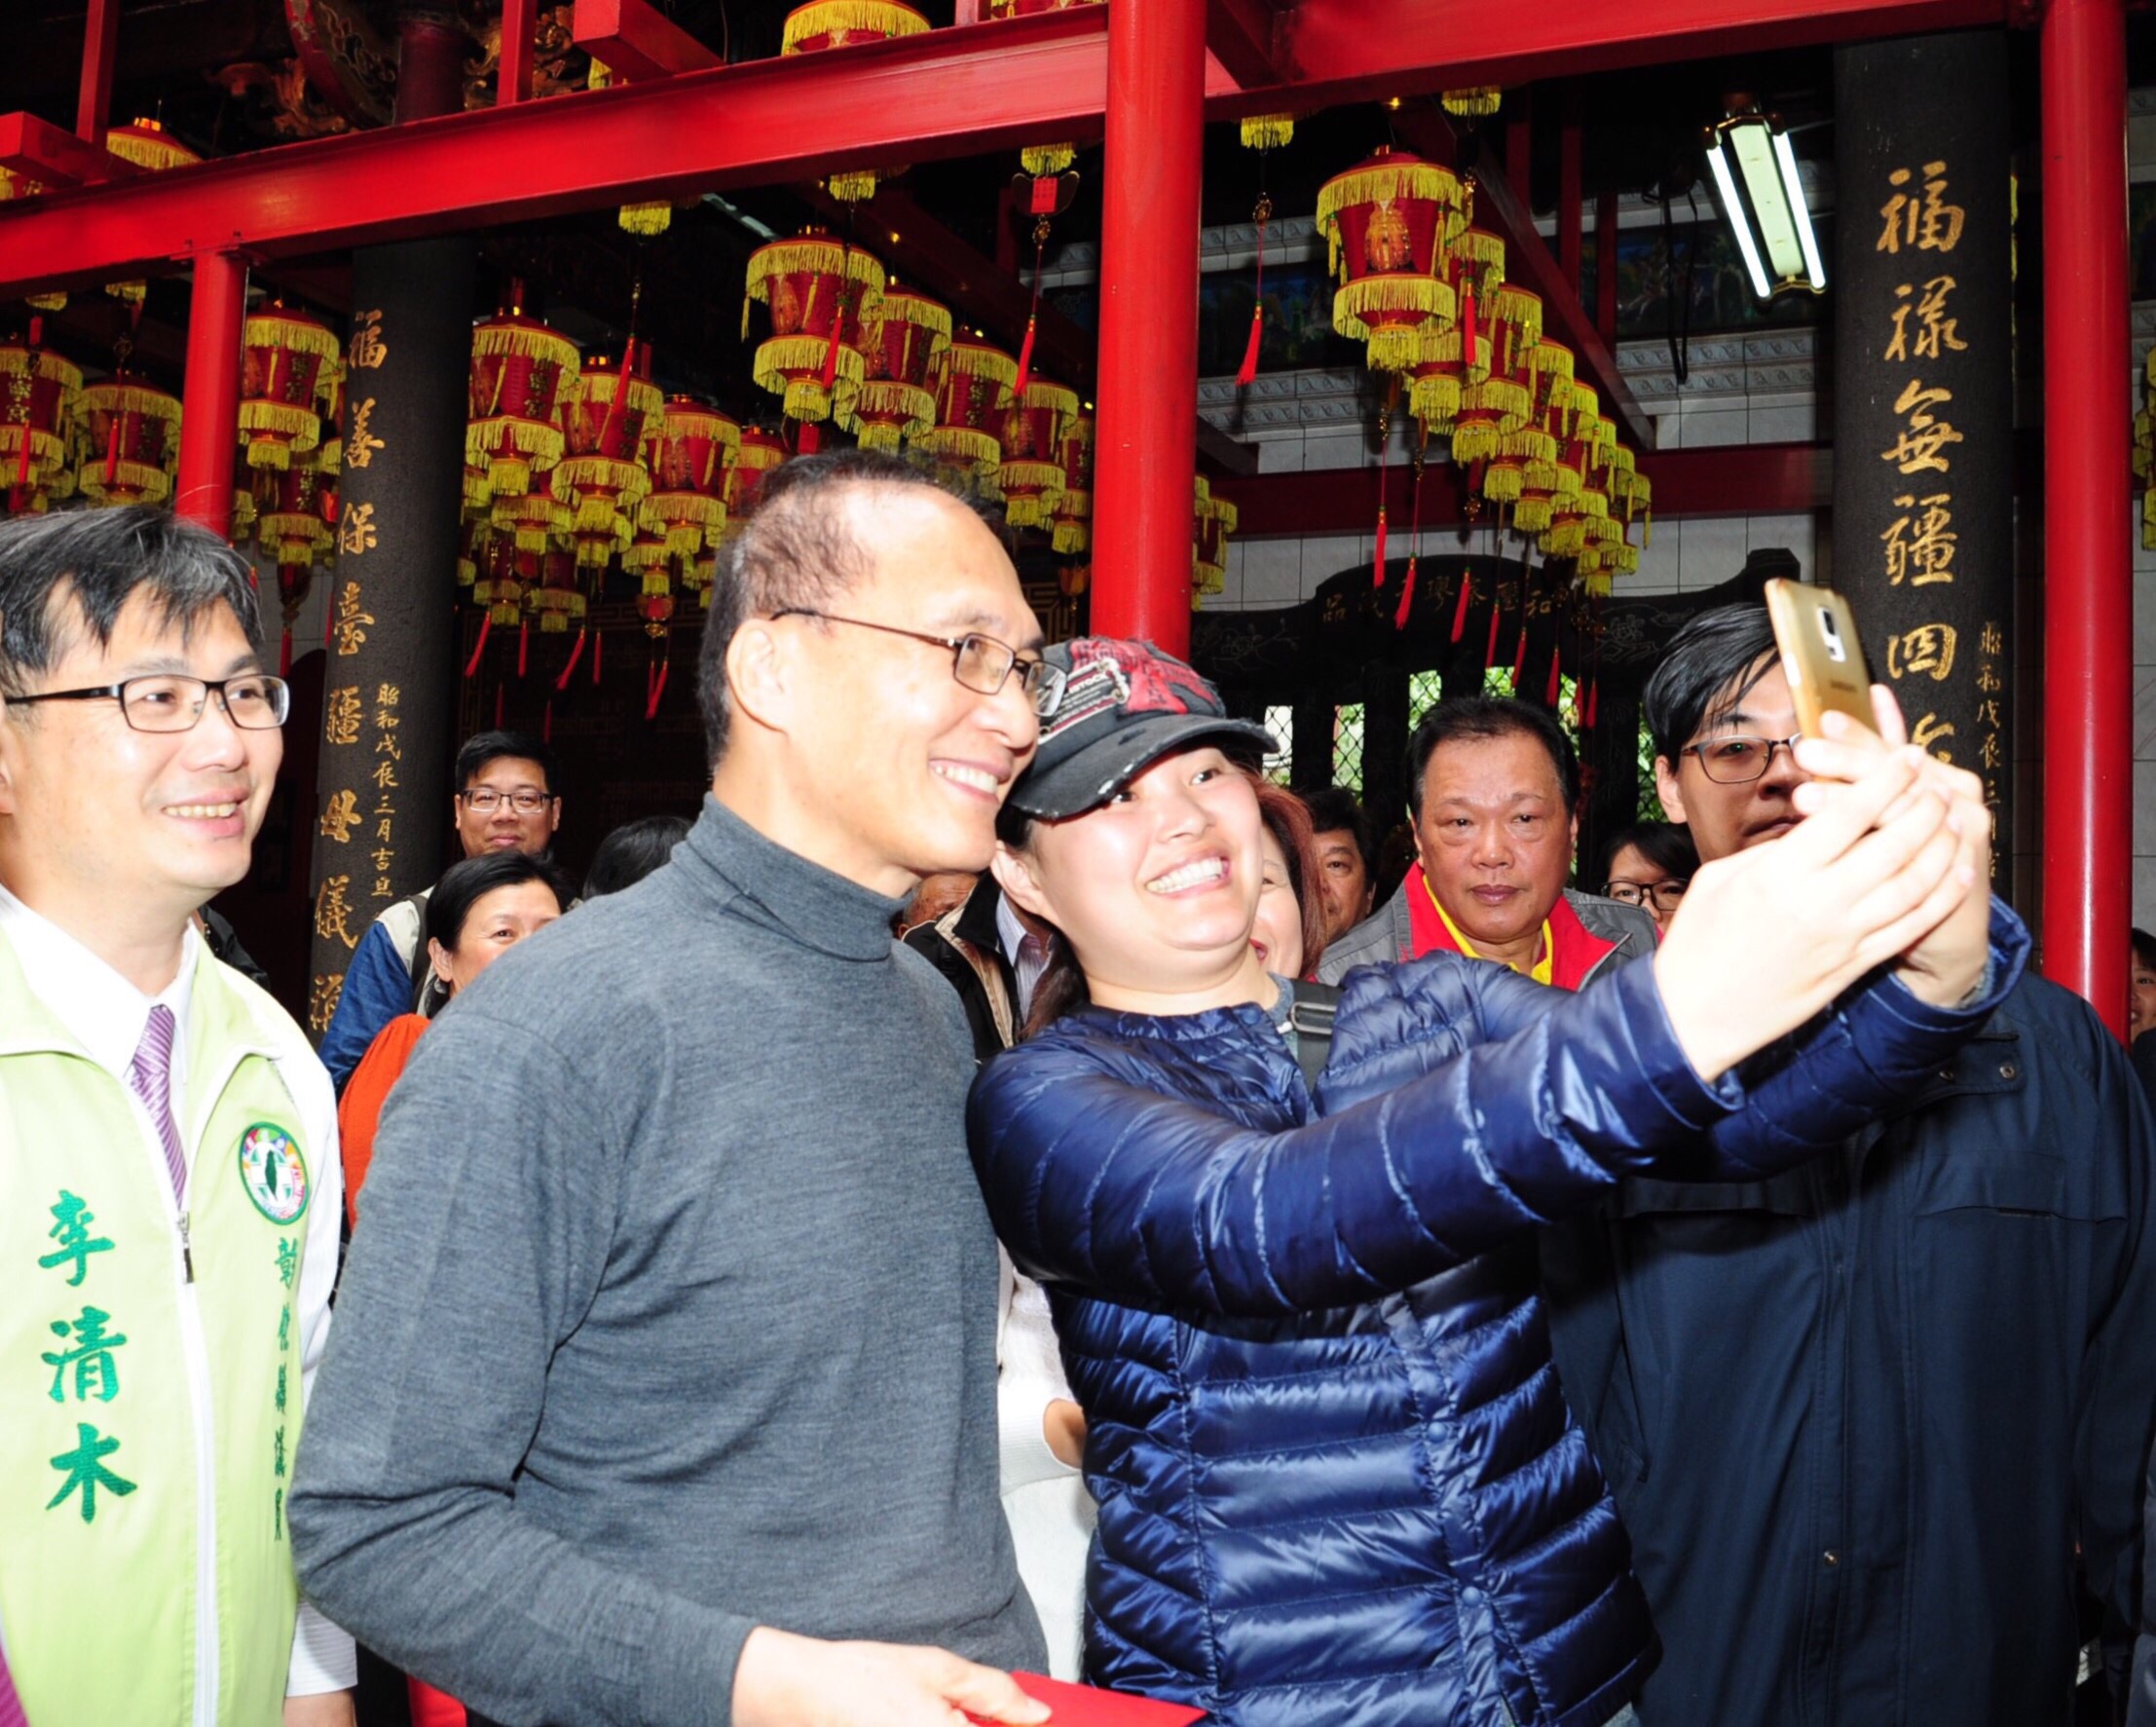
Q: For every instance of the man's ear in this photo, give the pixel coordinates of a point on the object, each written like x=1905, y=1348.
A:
x=1666, y=788
x=761, y=674
x=8, y=736
x=1014, y=873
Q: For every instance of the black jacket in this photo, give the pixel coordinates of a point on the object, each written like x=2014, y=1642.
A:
x=1858, y=1416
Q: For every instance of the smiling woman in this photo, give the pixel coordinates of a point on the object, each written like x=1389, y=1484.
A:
x=1252, y=1283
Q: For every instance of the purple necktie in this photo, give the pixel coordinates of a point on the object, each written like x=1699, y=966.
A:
x=11, y=1705
x=151, y=1075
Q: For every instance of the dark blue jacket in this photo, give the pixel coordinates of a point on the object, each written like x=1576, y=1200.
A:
x=1338, y=1486
x=1858, y=1417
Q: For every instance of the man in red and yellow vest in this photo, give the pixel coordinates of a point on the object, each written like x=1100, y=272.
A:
x=1493, y=788
x=170, y=1190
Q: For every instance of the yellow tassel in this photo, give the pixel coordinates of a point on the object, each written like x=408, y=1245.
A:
x=1071, y=536
x=46, y=302
x=868, y=17
x=1474, y=440
x=1356, y=304
x=1477, y=102
x=745, y=299
x=1531, y=514
x=1395, y=181
x=1268, y=131
x=1040, y=160
x=646, y=220
x=134, y=293
x=855, y=187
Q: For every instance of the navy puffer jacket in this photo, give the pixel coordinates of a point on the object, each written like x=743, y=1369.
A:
x=1338, y=1486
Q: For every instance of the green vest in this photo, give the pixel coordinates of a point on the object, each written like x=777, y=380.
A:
x=148, y=1418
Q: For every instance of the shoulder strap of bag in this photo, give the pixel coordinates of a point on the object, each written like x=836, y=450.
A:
x=1310, y=1015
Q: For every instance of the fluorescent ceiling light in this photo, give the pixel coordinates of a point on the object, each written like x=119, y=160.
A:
x=1763, y=199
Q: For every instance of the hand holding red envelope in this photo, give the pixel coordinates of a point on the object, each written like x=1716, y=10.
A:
x=1086, y=1706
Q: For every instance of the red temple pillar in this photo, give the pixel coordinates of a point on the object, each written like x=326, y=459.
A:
x=2088, y=757
x=1145, y=436
x=210, y=421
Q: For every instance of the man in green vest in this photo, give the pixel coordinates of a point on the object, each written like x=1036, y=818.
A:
x=170, y=1188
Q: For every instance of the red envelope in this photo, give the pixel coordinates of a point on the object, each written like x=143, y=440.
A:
x=1086, y=1706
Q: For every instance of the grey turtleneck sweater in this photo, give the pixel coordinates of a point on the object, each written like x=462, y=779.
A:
x=671, y=1312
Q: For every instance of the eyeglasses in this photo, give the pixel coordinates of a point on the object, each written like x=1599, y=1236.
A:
x=1738, y=760
x=981, y=663
x=1664, y=894
x=485, y=800
x=166, y=702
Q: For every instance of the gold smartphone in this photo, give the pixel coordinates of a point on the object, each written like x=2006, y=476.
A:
x=1821, y=655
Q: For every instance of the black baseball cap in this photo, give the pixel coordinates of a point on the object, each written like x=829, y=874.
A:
x=1123, y=707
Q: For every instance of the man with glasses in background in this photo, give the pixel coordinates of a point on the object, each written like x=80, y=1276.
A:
x=506, y=800
x=664, y=1387
x=170, y=1187
x=1868, y=1422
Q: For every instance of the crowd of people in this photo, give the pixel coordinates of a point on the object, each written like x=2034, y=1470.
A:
x=1008, y=1189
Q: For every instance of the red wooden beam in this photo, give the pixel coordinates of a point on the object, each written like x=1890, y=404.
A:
x=100, y=51
x=635, y=41
x=948, y=92
x=1740, y=479
x=1239, y=33
x=1350, y=50
x=42, y=152
x=1528, y=262
x=519, y=50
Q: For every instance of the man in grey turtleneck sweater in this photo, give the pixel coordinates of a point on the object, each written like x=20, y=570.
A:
x=665, y=1356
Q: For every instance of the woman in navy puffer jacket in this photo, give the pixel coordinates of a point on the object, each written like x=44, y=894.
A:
x=1338, y=1486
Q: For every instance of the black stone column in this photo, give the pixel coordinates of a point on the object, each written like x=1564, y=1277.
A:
x=1923, y=389
x=389, y=692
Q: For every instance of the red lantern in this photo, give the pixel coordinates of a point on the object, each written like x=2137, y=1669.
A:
x=282, y=356
x=132, y=433
x=1491, y=425
x=38, y=393
x=692, y=450
x=973, y=391
x=760, y=452
x=602, y=478
x=1030, y=474
x=819, y=293
x=1387, y=222
x=520, y=372
x=1073, y=511
x=902, y=339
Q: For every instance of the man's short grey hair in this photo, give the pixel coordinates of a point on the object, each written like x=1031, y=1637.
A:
x=798, y=548
x=98, y=559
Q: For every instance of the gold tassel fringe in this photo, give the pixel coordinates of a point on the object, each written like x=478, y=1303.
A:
x=1268, y=131
x=874, y=19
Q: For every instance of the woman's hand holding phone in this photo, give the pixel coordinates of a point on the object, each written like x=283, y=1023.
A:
x=1945, y=964
x=1770, y=936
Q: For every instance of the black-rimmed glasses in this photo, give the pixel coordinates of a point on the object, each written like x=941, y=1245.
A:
x=485, y=800
x=981, y=663
x=166, y=701
x=1664, y=894
x=1737, y=759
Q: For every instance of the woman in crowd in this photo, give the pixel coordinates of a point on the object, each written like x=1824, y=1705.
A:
x=632, y=851
x=2141, y=986
x=1289, y=934
x=482, y=907
x=1650, y=865
x=1336, y=1481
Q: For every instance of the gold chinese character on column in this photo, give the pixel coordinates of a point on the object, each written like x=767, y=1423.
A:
x=350, y=622
x=1993, y=641
x=361, y=444
x=1928, y=648
x=340, y=718
x=368, y=350
x=1926, y=436
x=333, y=910
x=1929, y=730
x=1923, y=221
x=1920, y=542
x=357, y=533
x=322, y=1001
x=340, y=816
x=1935, y=330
